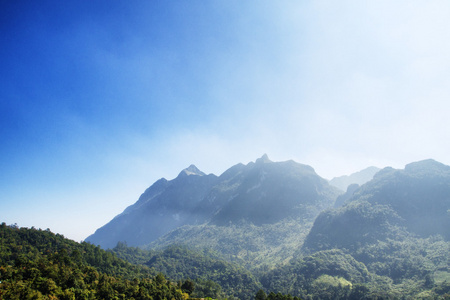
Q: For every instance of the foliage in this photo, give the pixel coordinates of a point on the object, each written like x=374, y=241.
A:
x=397, y=226
x=395, y=269
x=256, y=248
x=306, y=275
x=210, y=273
x=353, y=226
x=37, y=264
x=205, y=288
x=134, y=255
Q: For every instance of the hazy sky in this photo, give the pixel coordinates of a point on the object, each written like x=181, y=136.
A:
x=99, y=99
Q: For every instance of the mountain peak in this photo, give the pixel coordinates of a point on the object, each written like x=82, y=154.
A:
x=263, y=159
x=426, y=166
x=192, y=170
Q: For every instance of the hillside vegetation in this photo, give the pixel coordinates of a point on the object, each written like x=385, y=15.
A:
x=37, y=264
x=203, y=267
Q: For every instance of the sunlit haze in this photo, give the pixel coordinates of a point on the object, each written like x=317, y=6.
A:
x=99, y=99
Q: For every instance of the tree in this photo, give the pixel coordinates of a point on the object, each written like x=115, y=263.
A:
x=260, y=295
x=188, y=286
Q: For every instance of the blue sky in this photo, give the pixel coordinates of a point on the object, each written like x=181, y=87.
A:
x=99, y=99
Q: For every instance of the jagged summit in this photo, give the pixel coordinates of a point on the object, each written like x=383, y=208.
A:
x=265, y=193
x=191, y=170
x=260, y=193
x=263, y=159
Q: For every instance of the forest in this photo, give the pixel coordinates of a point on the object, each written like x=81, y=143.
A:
x=411, y=269
x=38, y=264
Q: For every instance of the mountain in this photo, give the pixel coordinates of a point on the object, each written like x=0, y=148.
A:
x=361, y=177
x=415, y=200
x=342, y=199
x=257, y=231
x=162, y=207
x=397, y=224
x=388, y=239
x=280, y=227
x=261, y=200
x=266, y=192
x=260, y=213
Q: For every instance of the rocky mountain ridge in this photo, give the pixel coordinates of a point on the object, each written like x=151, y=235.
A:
x=260, y=193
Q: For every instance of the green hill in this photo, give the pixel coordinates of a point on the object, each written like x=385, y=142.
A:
x=37, y=264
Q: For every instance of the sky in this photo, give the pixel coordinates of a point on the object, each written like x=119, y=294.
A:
x=99, y=99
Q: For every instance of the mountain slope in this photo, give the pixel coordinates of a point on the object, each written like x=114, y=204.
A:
x=260, y=213
x=266, y=192
x=180, y=263
x=361, y=177
x=342, y=199
x=162, y=207
x=415, y=200
x=304, y=275
x=253, y=247
x=254, y=214
x=397, y=225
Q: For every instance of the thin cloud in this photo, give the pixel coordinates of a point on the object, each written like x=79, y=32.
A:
x=128, y=94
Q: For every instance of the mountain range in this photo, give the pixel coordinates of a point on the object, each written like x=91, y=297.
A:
x=387, y=236
x=264, y=227
x=262, y=193
x=391, y=238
